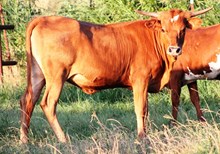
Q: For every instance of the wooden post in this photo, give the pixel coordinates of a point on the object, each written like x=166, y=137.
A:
x=3, y=28
x=6, y=63
x=1, y=70
x=5, y=34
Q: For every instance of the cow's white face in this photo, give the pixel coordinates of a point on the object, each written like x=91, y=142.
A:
x=214, y=68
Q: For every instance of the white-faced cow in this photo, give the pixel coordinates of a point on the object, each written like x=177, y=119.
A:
x=136, y=55
x=200, y=60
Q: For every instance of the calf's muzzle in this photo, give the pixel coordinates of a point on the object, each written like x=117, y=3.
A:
x=174, y=51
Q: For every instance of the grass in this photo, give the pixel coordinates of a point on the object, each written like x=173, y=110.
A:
x=106, y=123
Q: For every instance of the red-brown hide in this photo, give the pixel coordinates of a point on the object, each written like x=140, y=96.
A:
x=200, y=60
x=138, y=55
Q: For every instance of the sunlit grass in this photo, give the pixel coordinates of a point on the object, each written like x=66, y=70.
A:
x=102, y=123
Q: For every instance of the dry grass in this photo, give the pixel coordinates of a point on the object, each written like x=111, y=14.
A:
x=12, y=75
x=111, y=128
x=193, y=137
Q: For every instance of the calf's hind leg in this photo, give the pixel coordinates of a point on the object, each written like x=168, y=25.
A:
x=175, y=97
x=27, y=103
x=194, y=96
x=49, y=103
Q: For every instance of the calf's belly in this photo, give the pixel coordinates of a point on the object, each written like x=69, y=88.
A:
x=214, y=72
x=91, y=86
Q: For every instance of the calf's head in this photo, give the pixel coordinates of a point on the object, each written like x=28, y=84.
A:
x=173, y=24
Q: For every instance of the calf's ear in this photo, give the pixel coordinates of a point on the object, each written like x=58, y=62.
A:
x=194, y=23
x=153, y=24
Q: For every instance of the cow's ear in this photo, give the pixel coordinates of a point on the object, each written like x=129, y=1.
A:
x=153, y=24
x=194, y=23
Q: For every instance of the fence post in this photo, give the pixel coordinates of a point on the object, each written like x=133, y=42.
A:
x=5, y=34
x=1, y=70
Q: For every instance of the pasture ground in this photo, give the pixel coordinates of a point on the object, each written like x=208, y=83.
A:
x=105, y=122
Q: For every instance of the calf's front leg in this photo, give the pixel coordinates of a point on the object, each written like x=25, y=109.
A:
x=140, y=105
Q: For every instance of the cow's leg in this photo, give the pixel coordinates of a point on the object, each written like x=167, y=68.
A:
x=141, y=105
x=175, y=98
x=49, y=103
x=28, y=101
x=194, y=96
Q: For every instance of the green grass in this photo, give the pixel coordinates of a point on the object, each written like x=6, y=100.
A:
x=106, y=123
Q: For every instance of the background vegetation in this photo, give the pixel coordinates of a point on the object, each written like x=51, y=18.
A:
x=20, y=12
x=105, y=122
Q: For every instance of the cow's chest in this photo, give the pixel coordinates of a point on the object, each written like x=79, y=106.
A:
x=212, y=74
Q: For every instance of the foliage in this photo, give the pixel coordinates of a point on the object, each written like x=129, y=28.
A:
x=20, y=12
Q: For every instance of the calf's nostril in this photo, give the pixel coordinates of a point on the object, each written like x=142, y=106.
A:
x=178, y=50
x=170, y=50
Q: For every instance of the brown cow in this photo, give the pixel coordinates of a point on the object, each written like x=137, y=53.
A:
x=200, y=60
x=95, y=57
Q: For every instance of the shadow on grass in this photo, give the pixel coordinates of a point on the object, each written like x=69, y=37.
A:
x=75, y=110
